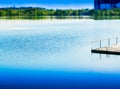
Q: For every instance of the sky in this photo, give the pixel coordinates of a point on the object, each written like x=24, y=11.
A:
x=53, y=4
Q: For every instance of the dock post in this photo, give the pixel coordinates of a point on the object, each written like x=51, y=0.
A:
x=100, y=44
x=108, y=42
x=116, y=40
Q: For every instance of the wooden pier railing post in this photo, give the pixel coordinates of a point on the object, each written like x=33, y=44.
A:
x=116, y=40
x=100, y=43
x=108, y=42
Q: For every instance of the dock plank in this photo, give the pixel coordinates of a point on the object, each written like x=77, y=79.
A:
x=115, y=49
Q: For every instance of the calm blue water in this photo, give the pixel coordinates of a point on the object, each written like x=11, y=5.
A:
x=56, y=54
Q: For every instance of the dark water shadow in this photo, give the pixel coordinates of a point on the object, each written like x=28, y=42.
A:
x=106, y=17
x=59, y=17
x=44, y=17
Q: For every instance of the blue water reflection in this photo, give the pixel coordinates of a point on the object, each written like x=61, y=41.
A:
x=55, y=54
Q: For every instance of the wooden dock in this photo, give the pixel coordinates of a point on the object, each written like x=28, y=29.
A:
x=109, y=49
x=115, y=49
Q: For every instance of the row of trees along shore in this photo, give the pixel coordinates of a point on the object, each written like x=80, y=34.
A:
x=32, y=11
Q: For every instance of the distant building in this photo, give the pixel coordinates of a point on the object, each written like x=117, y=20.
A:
x=106, y=4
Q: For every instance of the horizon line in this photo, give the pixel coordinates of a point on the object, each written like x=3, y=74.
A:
x=54, y=6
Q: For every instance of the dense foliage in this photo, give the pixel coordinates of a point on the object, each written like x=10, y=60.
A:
x=111, y=12
x=30, y=11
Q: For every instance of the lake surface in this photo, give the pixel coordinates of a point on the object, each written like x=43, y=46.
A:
x=56, y=54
